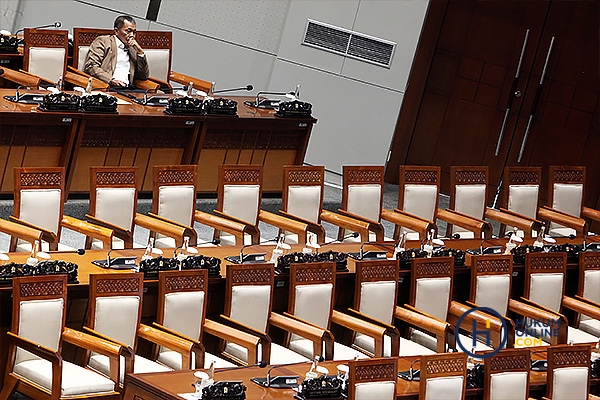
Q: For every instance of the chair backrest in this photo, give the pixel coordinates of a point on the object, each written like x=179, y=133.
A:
x=506, y=375
x=545, y=278
x=468, y=186
x=521, y=191
x=566, y=191
x=115, y=305
x=157, y=47
x=362, y=193
x=491, y=278
x=303, y=191
x=312, y=287
x=174, y=193
x=418, y=194
x=45, y=52
x=82, y=39
x=113, y=195
x=589, y=280
x=240, y=191
x=249, y=294
x=39, y=304
x=372, y=378
x=431, y=285
x=39, y=196
x=443, y=376
x=568, y=375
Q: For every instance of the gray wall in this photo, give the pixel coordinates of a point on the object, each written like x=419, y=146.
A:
x=235, y=43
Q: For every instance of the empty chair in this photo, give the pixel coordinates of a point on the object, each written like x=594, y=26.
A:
x=506, y=375
x=182, y=301
x=568, y=375
x=35, y=341
x=372, y=379
x=39, y=196
x=587, y=293
x=45, y=53
x=443, y=376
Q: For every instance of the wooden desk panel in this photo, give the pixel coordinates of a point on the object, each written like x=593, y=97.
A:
x=145, y=136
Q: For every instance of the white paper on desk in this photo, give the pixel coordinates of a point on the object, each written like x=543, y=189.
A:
x=188, y=396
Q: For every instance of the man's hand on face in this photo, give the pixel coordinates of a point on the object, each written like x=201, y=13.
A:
x=126, y=34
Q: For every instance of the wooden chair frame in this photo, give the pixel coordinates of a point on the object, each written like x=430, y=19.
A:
x=441, y=366
x=566, y=356
x=371, y=370
x=507, y=360
x=49, y=287
x=45, y=38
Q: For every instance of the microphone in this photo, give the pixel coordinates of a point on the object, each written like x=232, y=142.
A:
x=350, y=235
x=215, y=241
x=247, y=87
x=282, y=382
x=115, y=263
x=372, y=254
x=81, y=251
x=57, y=24
x=255, y=257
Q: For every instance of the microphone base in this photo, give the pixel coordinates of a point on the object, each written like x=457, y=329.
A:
x=278, y=382
x=154, y=101
x=27, y=98
x=251, y=258
x=117, y=263
x=369, y=255
x=486, y=250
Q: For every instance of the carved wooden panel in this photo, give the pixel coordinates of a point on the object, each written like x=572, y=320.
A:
x=365, y=176
x=571, y=357
x=232, y=175
x=305, y=273
x=470, y=177
x=377, y=272
x=125, y=285
x=568, y=175
x=41, y=289
x=114, y=178
x=421, y=176
x=509, y=363
x=546, y=262
x=433, y=268
x=176, y=176
x=305, y=177
x=252, y=275
x=495, y=265
x=366, y=373
x=40, y=179
x=520, y=177
x=187, y=282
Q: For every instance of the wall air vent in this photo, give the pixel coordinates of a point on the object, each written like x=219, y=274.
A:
x=349, y=43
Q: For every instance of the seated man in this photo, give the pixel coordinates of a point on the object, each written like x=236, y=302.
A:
x=118, y=59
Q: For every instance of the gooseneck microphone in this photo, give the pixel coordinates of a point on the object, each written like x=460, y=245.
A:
x=350, y=235
x=247, y=87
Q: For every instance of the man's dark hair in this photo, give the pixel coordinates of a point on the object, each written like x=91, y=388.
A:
x=120, y=21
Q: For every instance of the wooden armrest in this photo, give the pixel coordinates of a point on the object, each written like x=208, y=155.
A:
x=482, y=319
x=220, y=223
x=511, y=218
x=590, y=213
x=183, y=79
x=21, y=231
x=582, y=306
x=161, y=84
x=146, y=84
x=43, y=81
x=161, y=225
x=198, y=351
x=108, y=348
x=528, y=308
x=47, y=235
x=121, y=233
x=570, y=221
x=410, y=221
x=35, y=348
x=466, y=222
x=230, y=334
x=184, y=347
x=390, y=330
x=313, y=227
x=419, y=319
x=285, y=223
x=349, y=223
x=105, y=235
x=104, y=337
x=317, y=335
x=21, y=78
x=80, y=78
x=265, y=339
x=377, y=332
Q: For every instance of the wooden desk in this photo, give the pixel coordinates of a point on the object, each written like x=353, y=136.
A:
x=145, y=136
x=167, y=385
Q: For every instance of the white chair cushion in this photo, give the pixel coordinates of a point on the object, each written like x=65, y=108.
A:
x=141, y=365
x=591, y=283
x=560, y=231
x=470, y=200
x=228, y=239
x=547, y=290
x=75, y=379
x=47, y=62
x=591, y=326
x=410, y=348
x=304, y=202
x=172, y=359
x=365, y=200
x=433, y=296
x=183, y=312
x=423, y=339
x=117, y=318
x=523, y=199
x=508, y=386
x=493, y=291
x=567, y=198
x=116, y=205
x=33, y=201
x=40, y=322
x=420, y=200
x=570, y=383
x=375, y=390
x=467, y=341
x=83, y=52
x=25, y=247
x=242, y=202
x=581, y=336
x=158, y=62
x=448, y=388
x=177, y=203
x=377, y=300
x=313, y=303
x=279, y=354
x=250, y=305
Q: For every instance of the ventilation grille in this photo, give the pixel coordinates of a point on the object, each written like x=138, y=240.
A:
x=349, y=43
